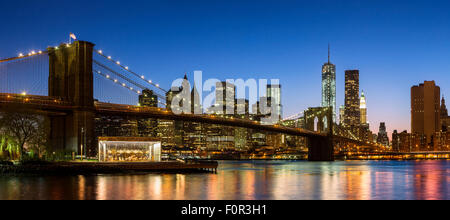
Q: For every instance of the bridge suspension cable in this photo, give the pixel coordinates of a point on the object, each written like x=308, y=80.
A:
x=142, y=87
x=123, y=84
x=126, y=68
x=295, y=116
x=23, y=56
x=25, y=74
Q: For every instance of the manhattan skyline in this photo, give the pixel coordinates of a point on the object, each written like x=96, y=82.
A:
x=392, y=48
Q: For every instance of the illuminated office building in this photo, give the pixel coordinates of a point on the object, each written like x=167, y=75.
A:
x=363, y=109
x=148, y=127
x=274, y=94
x=225, y=97
x=352, y=112
x=148, y=98
x=382, y=137
x=425, y=109
x=445, y=119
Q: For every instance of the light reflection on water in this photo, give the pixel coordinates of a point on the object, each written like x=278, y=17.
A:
x=249, y=180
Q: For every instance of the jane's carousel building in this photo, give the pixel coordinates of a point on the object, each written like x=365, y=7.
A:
x=129, y=149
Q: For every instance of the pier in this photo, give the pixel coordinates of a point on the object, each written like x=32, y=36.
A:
x=69, y=168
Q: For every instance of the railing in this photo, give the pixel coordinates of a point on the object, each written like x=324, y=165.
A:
x=232, y=121
x=33, y=99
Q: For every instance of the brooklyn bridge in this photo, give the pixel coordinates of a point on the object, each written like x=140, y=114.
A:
x=76, y=75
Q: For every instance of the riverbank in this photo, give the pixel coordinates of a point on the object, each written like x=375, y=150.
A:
x=76, y=168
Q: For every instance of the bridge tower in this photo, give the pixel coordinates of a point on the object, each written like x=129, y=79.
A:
x=71, y=79
x=320, y=119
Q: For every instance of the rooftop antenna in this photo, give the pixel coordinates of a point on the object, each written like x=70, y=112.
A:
x=328, y=53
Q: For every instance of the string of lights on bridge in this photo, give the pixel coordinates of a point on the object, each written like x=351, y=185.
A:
x=126, y=78
x=33, y=52
x=124, y=85
x=126, y=68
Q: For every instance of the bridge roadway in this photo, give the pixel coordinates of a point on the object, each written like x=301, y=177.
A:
x=52, y=105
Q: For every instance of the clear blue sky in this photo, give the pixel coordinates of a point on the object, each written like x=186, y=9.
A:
x=394, y=44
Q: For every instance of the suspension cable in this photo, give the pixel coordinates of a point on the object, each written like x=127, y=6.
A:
x=22, y=56
x=128, y=70
x=123, y=84
x=127, y=79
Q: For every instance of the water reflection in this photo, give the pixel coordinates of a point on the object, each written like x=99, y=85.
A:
x=245, y=180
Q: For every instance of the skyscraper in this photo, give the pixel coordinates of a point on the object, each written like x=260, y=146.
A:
x=445, y=119
x=148, y=127
x=444, y=111
x=148, y=98
x=352, y=113
x=382, y=135
x=425, y=109
x=363, y=109
x=225, y=97
x=329, y=85
x=274, y=94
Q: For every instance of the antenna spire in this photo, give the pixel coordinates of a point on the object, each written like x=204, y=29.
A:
x=328, y=53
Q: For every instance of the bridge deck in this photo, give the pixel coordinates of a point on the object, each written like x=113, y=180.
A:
x=54, y=104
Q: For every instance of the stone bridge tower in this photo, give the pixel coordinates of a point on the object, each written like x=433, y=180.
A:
x=71, y=79
x=320, y=119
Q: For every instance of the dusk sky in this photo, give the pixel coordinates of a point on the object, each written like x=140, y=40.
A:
x=394, y=44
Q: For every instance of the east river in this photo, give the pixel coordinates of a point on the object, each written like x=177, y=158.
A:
x=250, y=180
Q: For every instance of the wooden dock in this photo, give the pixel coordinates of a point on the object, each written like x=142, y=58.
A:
x=113, y=167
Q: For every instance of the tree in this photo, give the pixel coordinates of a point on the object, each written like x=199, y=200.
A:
x=22, y=127
x=8, y=147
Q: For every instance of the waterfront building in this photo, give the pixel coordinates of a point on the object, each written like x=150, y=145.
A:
x=329, y=85
x=364, y=133
x=425, y=109
x=382, y=137
x=404, y=142
x=352, y=102
x=441, y=141
x=115, y=126
x=419, y=142
x=395, y=141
